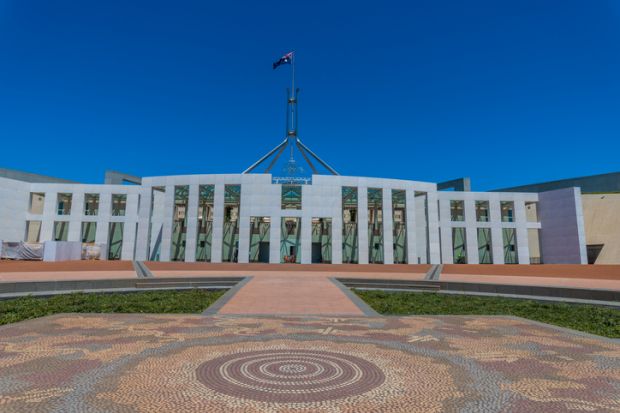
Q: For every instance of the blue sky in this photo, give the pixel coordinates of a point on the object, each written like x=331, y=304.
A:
x=506, y=92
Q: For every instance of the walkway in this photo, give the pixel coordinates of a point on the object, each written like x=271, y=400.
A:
x=291, y=293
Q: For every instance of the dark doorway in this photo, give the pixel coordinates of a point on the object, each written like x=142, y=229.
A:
x=593, y=252
x=263, y=252
x=317, y=255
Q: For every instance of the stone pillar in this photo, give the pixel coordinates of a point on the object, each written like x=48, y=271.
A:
x=412, y=255
x=144, y=223
x=166, y=236
x=192, y=224
x=218, y=223
x=362, y=228
x=471, y=233
x=523, y=246
x=433, y=228
x=388, y=227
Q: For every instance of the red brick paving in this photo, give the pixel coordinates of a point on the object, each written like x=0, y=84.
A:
x=607, y=272
x=34, y=266
x=569, y=282
x=290, y=293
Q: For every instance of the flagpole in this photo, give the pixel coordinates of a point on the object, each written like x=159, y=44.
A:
x=293, y=93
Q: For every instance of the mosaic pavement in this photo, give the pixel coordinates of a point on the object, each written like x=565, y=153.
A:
x=173, y=363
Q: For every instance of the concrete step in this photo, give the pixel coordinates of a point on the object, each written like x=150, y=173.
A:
x=390, y=284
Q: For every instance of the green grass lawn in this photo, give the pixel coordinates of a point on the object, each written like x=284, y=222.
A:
x=603, y=321
x=184, y=301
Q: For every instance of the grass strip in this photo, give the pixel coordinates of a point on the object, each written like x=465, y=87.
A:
x=169, y=301
x=603, y=321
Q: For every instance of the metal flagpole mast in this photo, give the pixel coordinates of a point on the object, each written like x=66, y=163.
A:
x=293, y=101
x=291, y=133
x=293, y=74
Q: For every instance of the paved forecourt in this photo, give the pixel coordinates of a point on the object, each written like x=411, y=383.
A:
x=292, y=339
x=192, y=363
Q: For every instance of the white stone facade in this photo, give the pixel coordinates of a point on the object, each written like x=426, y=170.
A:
x=428, y=217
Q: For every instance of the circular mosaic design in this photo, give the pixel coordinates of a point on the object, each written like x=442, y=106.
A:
x=290, y=376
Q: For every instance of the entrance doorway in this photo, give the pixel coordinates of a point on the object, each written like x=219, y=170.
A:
x=259, y=239
x=290, y=242
x=321, y=240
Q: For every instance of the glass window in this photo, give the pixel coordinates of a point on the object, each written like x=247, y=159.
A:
x=482, y=211
x=157, y=217
x=64, y=204
x=290, y=243
x=291, y=196
x=399, y=230
x=510, y=246
x=349, y=226
x=61, y=230
x=119, y=204
x=485, y=251
x=91, y=204
x=179, y=223
x=457, y=210
x=531, y=212
x=33, y=231
x=420, y=207
x=89, y=230
x=205, y=222
x=115, y=240
x=37, y=200
x=259, y=239
x=459, y=250
x=321, y=240
x=375, y=226
x=230, y=241
x=508, y=211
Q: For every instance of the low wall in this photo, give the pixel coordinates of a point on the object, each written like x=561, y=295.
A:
x=603, y=272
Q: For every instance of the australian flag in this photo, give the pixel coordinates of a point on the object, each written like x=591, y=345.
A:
x=286, y=59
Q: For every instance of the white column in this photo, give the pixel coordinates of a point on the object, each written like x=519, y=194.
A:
x=244, y=223
x=412, y=254
x=144, y=214
x=49, y=216
x=388, y=227
x=244, y=235
x=166, y=235
x=445, y=221
x=362, y=224
x=306, y=239
x=433, y=228
x=337, y=238
x=129, y=227
x=129, y=235
x=523, y=246
x=497, y=239
x=581, y=232
x=471, y=234
x=192, y=224
x=75, y=217
x=218, y=223
x=447, y=255
x=103, y=223
x=274, y=239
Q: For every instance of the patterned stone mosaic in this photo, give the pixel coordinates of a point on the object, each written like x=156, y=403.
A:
x=179, y=363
